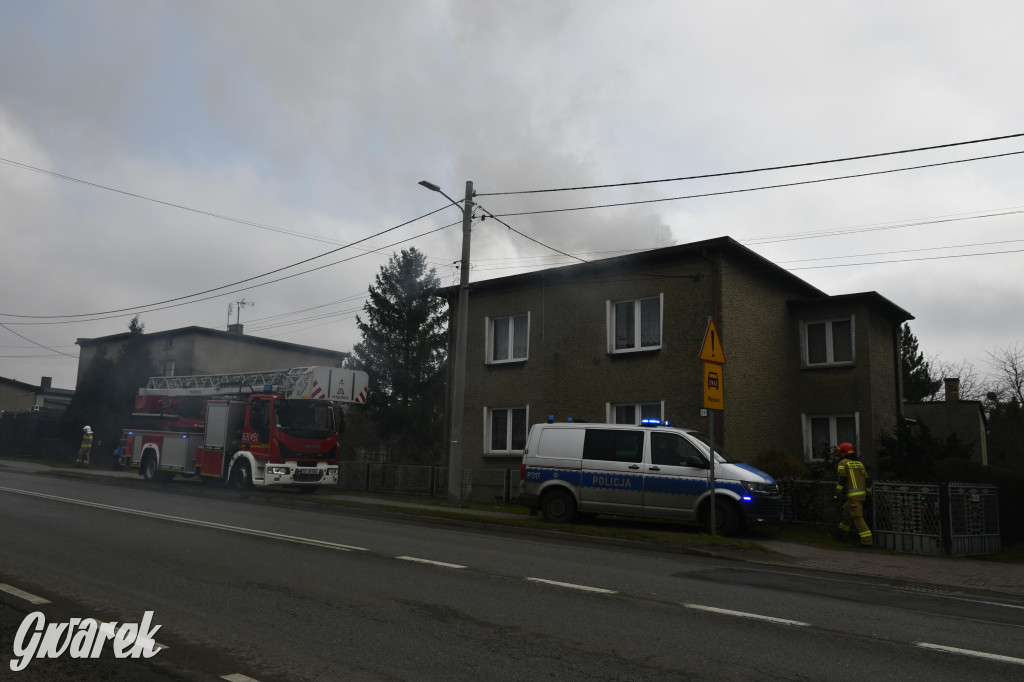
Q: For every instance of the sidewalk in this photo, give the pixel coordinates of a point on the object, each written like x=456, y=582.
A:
x=947, y=573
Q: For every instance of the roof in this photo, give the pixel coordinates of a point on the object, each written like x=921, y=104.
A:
x=871, y=298
x=726, y=245
x=214, y=333
x=38, y=389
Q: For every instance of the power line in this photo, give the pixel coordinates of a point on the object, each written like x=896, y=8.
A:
x=526, y=236
x=236, y=291
x=140, y=308
x=756, y=170
x=757, y=189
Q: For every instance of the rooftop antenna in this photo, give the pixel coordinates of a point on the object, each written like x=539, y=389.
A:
x=238, y=310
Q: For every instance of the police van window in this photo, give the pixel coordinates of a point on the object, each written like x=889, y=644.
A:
x=671, y=449
x=611, y=445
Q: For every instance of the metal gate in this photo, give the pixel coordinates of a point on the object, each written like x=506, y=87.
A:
x=973, y=517
x=907, y=517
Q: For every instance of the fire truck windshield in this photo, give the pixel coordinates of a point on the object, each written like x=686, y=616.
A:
x=305, y=418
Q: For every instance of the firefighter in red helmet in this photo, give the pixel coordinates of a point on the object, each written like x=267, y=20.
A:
x=853, y=483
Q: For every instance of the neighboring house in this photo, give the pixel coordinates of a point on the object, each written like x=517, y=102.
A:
x=952, y=416
x=618, y=340
x=17, y=397
x=198, y=350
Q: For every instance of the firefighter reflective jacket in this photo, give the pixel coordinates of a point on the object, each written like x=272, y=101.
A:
x=853, y=479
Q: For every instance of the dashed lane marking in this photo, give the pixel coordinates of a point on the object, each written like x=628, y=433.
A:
x=442, y=564
x=238, y=677
x=970, y=652
x=571, y=586
x=743, y=614
x=27, y=596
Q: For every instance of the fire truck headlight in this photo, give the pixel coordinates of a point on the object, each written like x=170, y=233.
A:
x=277, y=471
x=333, y=471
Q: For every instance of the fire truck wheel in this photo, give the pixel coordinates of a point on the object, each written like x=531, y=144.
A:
x=241, y=475
x=149, y=470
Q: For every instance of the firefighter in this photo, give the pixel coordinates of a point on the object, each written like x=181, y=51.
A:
x=85, y=448
x=854, y=484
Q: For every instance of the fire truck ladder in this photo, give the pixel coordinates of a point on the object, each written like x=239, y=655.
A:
x=287, y=380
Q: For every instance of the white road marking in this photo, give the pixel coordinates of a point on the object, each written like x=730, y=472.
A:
x=571, y=586
x=743, y=614
x=428, y=561
x=238, y=677
x=195, y=522
x=970, y=652
x=30, y=598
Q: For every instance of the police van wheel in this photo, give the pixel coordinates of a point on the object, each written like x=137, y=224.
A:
x=559, y=507
x=727, y=518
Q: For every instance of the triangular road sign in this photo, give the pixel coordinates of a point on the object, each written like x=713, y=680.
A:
x=711, y=350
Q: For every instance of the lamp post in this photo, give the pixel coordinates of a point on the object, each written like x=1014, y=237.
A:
x=461, y=328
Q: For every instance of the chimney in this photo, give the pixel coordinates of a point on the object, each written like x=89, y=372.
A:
x=952, y=390
x=235, y=328
x=46, y=383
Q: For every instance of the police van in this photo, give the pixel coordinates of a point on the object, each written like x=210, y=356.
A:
x=650, y=470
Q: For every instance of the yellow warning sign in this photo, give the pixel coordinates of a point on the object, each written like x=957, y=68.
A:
x=714, y=386
x=711, y=350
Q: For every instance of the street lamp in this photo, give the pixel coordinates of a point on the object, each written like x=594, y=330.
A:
x=461, y=328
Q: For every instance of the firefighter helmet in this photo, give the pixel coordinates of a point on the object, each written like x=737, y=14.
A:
x=87, y=429
x=845, y=449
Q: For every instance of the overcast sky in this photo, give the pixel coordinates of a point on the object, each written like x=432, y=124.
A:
x=155, y=150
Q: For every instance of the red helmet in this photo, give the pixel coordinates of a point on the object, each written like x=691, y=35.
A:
x=845, y=448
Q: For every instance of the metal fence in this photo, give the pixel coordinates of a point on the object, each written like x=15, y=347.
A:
x=915, y=518
x=479, y=485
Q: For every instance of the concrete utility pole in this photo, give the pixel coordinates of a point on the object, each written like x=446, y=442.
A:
x=461, y=329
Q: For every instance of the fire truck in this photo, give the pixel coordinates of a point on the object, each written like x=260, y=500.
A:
x=255, y=429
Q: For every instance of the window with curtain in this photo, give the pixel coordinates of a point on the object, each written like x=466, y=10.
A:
x=635, y=325
x=510, y=338
x=507, y=426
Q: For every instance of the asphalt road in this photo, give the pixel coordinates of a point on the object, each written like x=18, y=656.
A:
x=242, y=587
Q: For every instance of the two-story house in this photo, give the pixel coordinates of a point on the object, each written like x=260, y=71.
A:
x=200, y=350
x=618, y=340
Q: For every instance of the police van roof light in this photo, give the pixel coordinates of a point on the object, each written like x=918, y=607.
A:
x=551, y=419
x=653, y=422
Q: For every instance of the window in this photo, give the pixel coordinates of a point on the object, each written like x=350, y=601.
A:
x=825, y=432
x=169, y=343
x=167, y=368
x=508, y=338
x=612, y=445
x=828, y=343
x=634, y=325
x=671, y=449
x=632, y=413
x=506, y=427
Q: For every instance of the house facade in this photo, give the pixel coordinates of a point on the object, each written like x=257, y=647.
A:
x=618, y=340
x=199, y=350
x=952, y=416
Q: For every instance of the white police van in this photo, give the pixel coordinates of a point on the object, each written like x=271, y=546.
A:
x=650, y=470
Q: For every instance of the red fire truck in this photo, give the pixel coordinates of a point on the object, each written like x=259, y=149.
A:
x=278, y=427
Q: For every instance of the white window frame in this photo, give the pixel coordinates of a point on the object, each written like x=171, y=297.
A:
x=489, y=336
x=638, y=408
x=830, y=361
x=167, y=368
x=488, y=421
x=810, y=454
x=637, y=323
